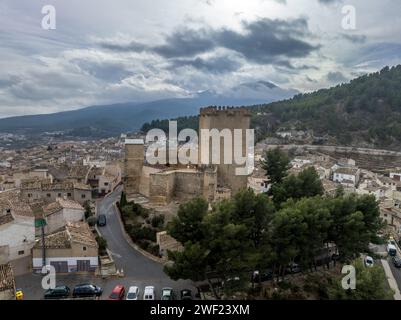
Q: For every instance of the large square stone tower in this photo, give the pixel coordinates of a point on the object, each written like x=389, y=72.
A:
x=221, y=118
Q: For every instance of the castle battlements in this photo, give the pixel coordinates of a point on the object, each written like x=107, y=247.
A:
x=227, y=110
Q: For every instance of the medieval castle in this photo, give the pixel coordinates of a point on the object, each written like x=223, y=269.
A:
x=162, y=184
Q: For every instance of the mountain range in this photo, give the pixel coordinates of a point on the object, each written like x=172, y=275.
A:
x=108, y=120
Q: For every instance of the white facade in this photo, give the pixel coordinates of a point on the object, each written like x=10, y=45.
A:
x=299, y=163
x=19, y=236
x=59, y=219
x=37, y=263
x=347, y=176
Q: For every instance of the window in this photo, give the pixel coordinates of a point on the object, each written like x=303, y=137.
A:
x=84, y=248
x=8, y=210
x=106, y=183
x=69, y=194
x=48, y=195
x=21, y=252
x=59, y=195
x=83, y=196
x=29, y=195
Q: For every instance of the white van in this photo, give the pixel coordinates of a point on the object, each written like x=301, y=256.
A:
x=149, y=293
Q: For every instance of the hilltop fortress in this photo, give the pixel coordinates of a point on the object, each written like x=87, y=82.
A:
x=162, y=184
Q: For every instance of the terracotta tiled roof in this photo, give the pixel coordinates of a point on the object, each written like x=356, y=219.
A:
x=82, y=186
x=78, y=232
x=69, y=204
x=78, y=171
x=57, y=240
x=47, y=186
x=81, y=233
x=6, y=218
x=12, y=203
x=7, y=281
x=52, y=208
x=20, y=208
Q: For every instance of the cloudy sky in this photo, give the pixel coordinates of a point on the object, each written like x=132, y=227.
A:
x=105, y=51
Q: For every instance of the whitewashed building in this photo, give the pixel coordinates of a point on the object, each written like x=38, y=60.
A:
x=346, y=176
x=17, y=230
x=57, y=214
x=73, y=249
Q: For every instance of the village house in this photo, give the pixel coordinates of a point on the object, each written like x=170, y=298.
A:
x=103, y=180
x=346, y=176
x=73, y=249
x=32, y=175
x=57, y=214
x=78, y=173
x=258, y=181
x=34, y=190
x=395, y=176
x=17, y=232
x=391, y=215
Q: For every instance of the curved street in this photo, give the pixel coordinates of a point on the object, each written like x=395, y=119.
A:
x=138, y=269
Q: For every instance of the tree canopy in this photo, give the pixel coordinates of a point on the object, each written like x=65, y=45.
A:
x=249, y=233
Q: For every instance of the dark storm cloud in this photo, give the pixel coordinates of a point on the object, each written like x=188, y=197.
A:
x=336, y=77
x=354, y=38
x=263, y=41
x=214, y=65
x=186, y=43
x=123, y=47
x=288, y=67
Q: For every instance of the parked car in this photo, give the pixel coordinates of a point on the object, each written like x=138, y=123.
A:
x=167, y=294
x=118, y=293
x=293, y=268
x=369, y=262
x=87, y=290
x=149, y=293
x=186, y=294
x=133, y=293
x=262, y=276
x=101, y=220
x=397, y=261
x=57, y=293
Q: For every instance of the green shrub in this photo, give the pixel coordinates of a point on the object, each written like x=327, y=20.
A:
x=154, y=249
x=91, y=221
x=102, y=243
x=157, y=221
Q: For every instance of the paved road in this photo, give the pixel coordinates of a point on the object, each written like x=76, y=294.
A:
x=133, y=263
x=138, y=269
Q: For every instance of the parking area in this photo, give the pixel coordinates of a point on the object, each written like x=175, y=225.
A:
x=31, y=284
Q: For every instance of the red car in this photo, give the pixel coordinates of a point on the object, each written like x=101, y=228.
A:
x=118, y=293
